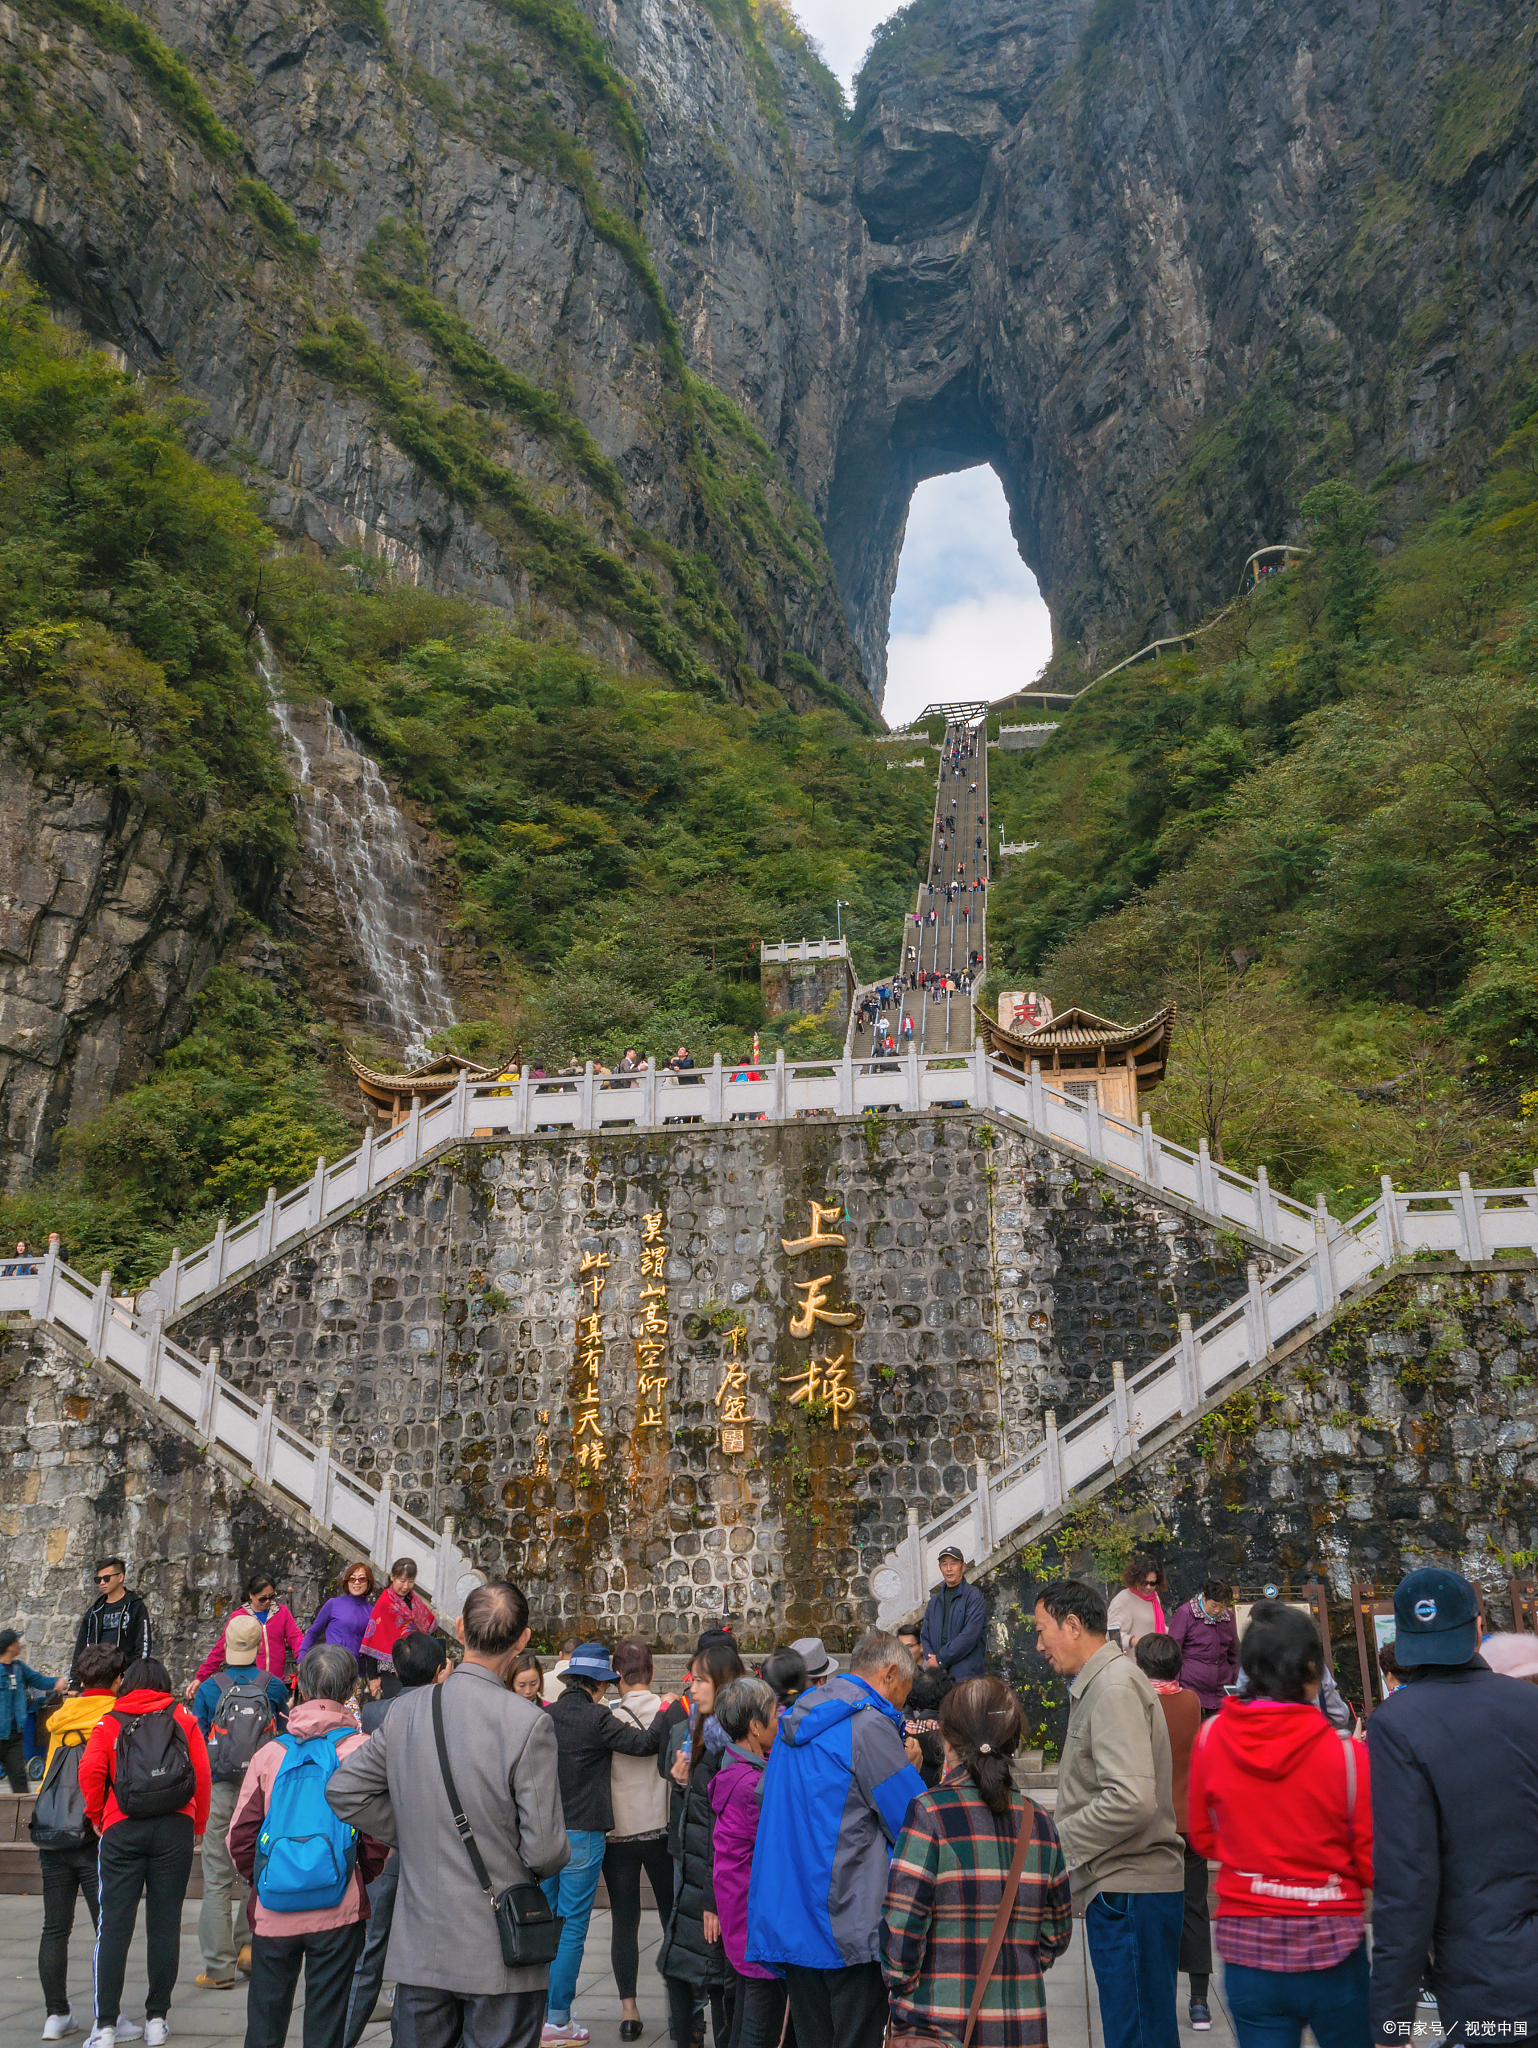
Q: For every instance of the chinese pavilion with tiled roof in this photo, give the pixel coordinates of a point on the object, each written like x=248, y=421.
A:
x=392, y=1094
x=1087, y=1057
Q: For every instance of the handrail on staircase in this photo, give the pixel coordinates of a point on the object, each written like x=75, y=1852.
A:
x=362, y=1517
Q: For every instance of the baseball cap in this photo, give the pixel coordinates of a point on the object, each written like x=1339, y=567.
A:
x=242, y=1639
x=950, y=1550
x=1436, y=1618
x=7, y=1637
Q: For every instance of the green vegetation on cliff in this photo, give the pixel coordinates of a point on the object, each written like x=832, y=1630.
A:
x=617, y=844
x=1319, y=831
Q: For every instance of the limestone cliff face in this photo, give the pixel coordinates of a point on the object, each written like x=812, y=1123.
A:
x=408, y=256
x=107, y=927
x=1166, y=265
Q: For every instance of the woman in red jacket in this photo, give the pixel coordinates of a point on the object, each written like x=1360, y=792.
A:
x=150, y=1855
x=1283, y=1802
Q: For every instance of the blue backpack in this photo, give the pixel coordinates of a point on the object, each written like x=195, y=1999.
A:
x=305, y=1856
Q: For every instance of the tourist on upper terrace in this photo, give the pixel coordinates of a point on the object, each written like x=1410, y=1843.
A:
x=1158, y=1658
x=588, y=1735
x=1209, y=1643
x=17, y=1681
x=116, y=1618
x=399, y=1611
x=1137, y=1610
x=975, y=1857
x=143, y=1749
x=318, y=1933
x=68, y=1868
x=1116, y=1819
x=1284, y=1804
x=452, y=1982
x=1455, y=1815
x=955, y=1621
x=280, y=1633
x=837, y=1789
x=345, y=1616
x=692, y=1960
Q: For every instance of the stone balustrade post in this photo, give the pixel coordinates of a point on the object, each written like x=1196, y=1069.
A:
x=154, y=1342
x=101, y=1314
x=1123, y=1447
x=384, y=1507
x=1190, y=1368
x=315, y=1203
x=1473, y=1229
x=1051, y=1463
x=208, y=1396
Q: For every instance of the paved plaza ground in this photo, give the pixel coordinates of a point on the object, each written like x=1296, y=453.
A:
x=217, y=2019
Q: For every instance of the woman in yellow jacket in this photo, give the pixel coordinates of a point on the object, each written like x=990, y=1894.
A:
x=70, y=1871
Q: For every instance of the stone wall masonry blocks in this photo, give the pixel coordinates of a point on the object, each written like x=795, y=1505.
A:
x=445, y=1337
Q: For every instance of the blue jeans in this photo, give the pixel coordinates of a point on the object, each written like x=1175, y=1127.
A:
x=1271, y=2008
x=571, y=1893
x=1134, y=1944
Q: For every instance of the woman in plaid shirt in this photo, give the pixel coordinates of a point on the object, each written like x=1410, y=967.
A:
x=947, y=1878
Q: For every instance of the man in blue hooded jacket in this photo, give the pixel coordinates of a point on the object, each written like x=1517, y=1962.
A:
x=836, y=1790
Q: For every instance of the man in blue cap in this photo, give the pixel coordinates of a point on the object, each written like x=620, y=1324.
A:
x=1454, y=1754
x=586, y=1735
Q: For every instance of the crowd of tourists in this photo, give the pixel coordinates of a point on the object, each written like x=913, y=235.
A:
x=837, y=1853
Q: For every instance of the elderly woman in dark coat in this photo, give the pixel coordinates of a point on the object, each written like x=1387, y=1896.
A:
x=692, y=1960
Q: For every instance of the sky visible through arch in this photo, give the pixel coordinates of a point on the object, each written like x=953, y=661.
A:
x=967, y=618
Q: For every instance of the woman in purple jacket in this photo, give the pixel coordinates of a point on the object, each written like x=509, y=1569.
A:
x=345, y=1616
x=749, y=1713
x=1209, y=1643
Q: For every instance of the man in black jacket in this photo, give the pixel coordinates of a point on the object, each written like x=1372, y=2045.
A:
x=1455, y=1819
x=586, y=1735
x=955, y=1621
x=116, y=1618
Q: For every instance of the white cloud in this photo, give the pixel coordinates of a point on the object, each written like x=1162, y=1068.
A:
x=968, y=620
x=842, y=29
x=979, y=649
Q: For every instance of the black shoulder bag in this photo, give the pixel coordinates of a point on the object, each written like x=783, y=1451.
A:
x=529, y=1932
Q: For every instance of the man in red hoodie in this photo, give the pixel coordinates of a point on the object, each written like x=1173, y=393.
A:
x=1283, y=1801
x=152, y=1856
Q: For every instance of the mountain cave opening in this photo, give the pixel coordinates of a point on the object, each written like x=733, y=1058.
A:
x=967, y=615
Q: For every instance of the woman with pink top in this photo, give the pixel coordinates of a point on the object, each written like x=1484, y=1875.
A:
x=1137, y=1609
x=281, y=1636
x=749, y=1714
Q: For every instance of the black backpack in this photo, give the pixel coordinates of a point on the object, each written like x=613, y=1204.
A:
x=58, y=1819
x=152, y=1769
x=243, y=1720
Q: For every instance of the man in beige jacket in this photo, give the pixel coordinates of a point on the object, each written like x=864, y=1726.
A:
x=1116, y=1819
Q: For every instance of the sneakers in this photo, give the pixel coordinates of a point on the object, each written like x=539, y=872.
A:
x=111, y=2037
x=156, y=2033
x=570, y=2032
x=58, y=2024
x=1201, y=2016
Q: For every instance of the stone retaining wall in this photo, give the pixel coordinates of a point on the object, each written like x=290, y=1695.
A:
x=435, y=1335
x=89, y=1469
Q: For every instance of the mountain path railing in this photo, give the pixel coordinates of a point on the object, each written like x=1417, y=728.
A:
x=1467, y=1222
x=365, y=1518
x=908, y=1084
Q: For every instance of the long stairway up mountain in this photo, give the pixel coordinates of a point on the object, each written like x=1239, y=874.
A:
x=943, y=950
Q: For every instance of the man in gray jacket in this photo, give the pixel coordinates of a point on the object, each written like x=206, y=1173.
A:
x=445, y=1956
x=1115, y=1818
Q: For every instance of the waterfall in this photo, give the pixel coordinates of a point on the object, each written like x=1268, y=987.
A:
x=361, y=844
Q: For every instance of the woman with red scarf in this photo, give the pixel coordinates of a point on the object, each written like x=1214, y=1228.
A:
x=1137, y=1609
x=398, y=1611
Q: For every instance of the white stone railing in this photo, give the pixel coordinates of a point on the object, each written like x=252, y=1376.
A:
x=364, y=1517
x=1472, y=1223
x=1013, y=846
x=909, y=1083
x=805, y=949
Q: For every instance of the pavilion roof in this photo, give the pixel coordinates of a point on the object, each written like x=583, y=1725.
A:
x=432, y=1077
x=1081, y=1032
